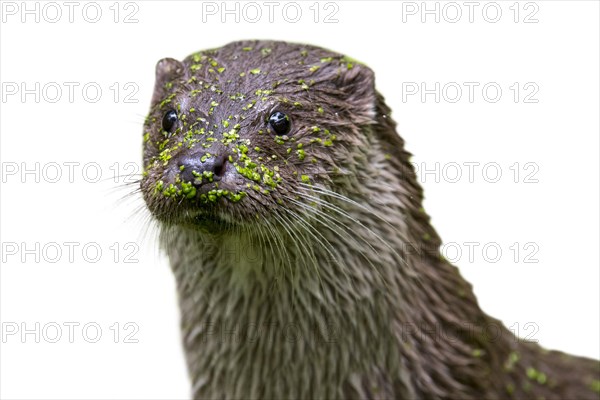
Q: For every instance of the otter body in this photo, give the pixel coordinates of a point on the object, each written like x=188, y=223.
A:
x=305, y=264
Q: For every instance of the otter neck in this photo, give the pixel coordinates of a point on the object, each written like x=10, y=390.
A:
x=278, y=317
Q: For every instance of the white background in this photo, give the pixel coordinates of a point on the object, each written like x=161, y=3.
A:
x=559, y=134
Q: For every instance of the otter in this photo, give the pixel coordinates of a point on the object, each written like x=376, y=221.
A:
x=306, y=266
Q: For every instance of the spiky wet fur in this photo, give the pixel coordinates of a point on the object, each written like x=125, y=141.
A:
x=338, y=290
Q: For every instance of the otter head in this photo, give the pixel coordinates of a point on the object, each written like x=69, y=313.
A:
x=237, y=133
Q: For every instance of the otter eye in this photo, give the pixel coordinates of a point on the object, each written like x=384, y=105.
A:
x=169, y=120
x=280, y=123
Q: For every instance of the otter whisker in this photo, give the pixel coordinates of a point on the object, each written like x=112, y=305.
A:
x=341, y=212
x=344, y=231
x=328, y=192
x=300, y=242
x=281, y=247
x=302, y=239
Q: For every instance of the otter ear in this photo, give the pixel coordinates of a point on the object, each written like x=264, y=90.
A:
x=167, y=70
x=357, y=82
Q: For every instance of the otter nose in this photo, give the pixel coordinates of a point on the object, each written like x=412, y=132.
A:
x=200, y=168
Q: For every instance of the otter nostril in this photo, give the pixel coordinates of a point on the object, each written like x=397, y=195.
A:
x=219, y=165
x=193, y=169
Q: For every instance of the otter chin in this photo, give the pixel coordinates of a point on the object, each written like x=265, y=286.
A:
x=306, y=266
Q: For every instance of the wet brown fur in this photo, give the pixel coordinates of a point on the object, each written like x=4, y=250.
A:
x=333, y=288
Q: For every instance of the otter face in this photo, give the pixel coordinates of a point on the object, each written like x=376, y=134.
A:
x=238, y=132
